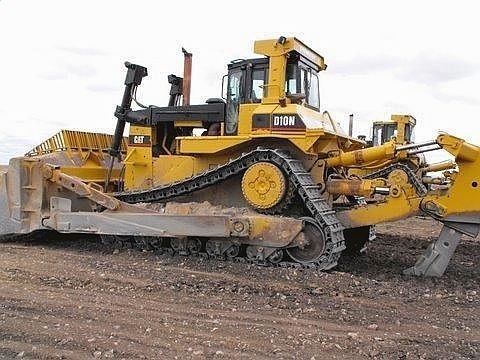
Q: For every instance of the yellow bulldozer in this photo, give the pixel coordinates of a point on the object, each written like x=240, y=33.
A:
x=259, y=174
x=399, y=128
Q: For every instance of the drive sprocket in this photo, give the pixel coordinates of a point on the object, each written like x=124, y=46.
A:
x=264, y=185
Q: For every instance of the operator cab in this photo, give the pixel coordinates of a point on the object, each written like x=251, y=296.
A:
x=247, y=83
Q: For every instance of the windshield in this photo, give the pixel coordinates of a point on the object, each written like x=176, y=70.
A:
x=303, y=80
x=311, y=85
x=383, y=133
x=409, y=134
x=258, y=80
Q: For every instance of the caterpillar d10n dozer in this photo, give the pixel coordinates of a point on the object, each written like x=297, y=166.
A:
x=399, y=128
x=271, y=179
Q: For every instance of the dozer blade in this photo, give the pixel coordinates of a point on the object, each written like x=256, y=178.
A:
x=20, y=197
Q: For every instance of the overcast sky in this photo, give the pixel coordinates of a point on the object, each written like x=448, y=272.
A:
x=62, y=61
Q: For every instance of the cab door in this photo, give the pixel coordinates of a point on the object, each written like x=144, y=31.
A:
x=234, y=99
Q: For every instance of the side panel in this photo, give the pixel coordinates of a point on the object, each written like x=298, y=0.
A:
x=138, y=162
x=168, y=168
x=208, y=144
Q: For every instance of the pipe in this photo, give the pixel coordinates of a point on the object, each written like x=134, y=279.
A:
x=439, y=166
x=363, y=156
x=164, y=140
x=187, y=76
x=350, y=125
x=419, y=151
x=415, y=146
x=135, y=73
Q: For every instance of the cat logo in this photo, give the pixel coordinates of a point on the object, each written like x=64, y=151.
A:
x=139, y=140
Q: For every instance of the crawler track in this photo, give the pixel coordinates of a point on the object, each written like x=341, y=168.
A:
x=162, y=246
x=308, y=192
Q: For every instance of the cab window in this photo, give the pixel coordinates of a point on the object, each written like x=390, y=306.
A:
x=309, y=82
x=291, y=79
x=409, y=134
x=313, y=98
x=303, y=80
x=258, y=80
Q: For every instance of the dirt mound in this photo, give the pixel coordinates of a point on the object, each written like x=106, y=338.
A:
x=74, y=298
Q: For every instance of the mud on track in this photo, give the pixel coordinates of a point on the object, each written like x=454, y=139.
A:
x=74, y=298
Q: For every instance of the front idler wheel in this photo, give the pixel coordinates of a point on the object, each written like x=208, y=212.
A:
x=314, y=247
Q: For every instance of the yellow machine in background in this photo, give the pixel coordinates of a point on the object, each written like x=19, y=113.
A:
x=271, y=178
x=399, y=128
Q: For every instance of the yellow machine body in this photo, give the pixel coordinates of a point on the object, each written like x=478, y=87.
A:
x=318, y=135
x=266, y=147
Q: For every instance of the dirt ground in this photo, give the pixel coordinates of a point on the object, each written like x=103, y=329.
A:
x=74, y=298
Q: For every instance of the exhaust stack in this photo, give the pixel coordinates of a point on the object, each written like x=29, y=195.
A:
x=187, y=76
x=350, y=125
